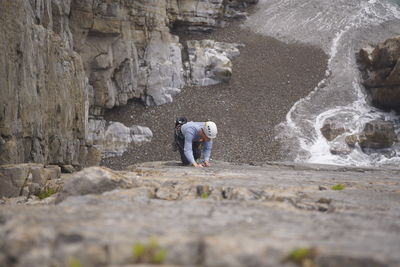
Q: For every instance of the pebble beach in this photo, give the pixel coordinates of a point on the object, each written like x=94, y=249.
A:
x=269, y=77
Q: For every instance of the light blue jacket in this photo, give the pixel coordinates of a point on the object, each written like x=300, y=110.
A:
x=191, y=132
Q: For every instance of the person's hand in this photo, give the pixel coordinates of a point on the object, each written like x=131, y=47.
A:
x=206, y=164
x=197, y=165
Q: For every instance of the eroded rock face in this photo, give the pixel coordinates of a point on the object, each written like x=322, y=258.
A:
x=128, y=50
x=42, y=85
x=332, y=129
x=380, y=67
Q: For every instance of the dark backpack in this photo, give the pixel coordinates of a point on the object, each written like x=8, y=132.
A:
x=180, y=121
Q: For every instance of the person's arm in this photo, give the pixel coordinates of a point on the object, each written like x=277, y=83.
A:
x=207, y=152
x=188, y=150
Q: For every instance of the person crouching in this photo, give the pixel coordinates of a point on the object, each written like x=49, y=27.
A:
x=191, y=136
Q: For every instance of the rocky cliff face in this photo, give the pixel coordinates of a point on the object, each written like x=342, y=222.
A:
x=42, y=85
x=63, y=62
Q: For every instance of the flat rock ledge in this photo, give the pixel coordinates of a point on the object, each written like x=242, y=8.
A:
x=226, y=215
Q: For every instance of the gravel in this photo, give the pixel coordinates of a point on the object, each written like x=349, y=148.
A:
x=268, y=77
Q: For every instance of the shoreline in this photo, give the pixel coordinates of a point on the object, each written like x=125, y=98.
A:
x=269, y=77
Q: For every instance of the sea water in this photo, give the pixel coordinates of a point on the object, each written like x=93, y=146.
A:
x=341, y=28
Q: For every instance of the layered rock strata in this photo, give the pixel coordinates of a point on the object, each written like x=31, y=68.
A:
x=43, y=115
x=225, y=215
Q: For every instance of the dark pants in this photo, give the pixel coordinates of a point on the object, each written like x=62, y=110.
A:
x=180, y=144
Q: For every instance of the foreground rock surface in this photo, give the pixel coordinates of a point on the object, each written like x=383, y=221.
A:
x=226, y=215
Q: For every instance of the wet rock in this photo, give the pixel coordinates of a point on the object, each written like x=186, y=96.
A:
x=339, y=146
x=351, y=140
x=380, y=67
x=332, y=129
x=377, y=134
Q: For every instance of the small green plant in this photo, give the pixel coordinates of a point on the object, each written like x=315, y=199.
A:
x=138, y=250
x=148, y=253
x=45, y=193
x=159, y=256
x=204, y=195
x=302, y=257
x=338, y=187
x=74, y=262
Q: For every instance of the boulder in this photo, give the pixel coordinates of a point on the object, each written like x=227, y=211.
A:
x=331, y=130
x=380, y=68
x=93, y=180
x=113, y=138
x=337, y=125
x=340, y=146
x=210, y=61
x=377, y=134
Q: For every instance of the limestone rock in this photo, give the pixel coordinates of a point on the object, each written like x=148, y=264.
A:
x=267, y=212
x=210, y=61
x=128, y=51
x=25, y=179
x=113, y=138
x=198, y=16
x=43, y=97
x=93, y=157
x=380, y=67
x=93, y=180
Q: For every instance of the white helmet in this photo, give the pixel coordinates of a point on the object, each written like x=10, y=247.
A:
x=210, y=129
